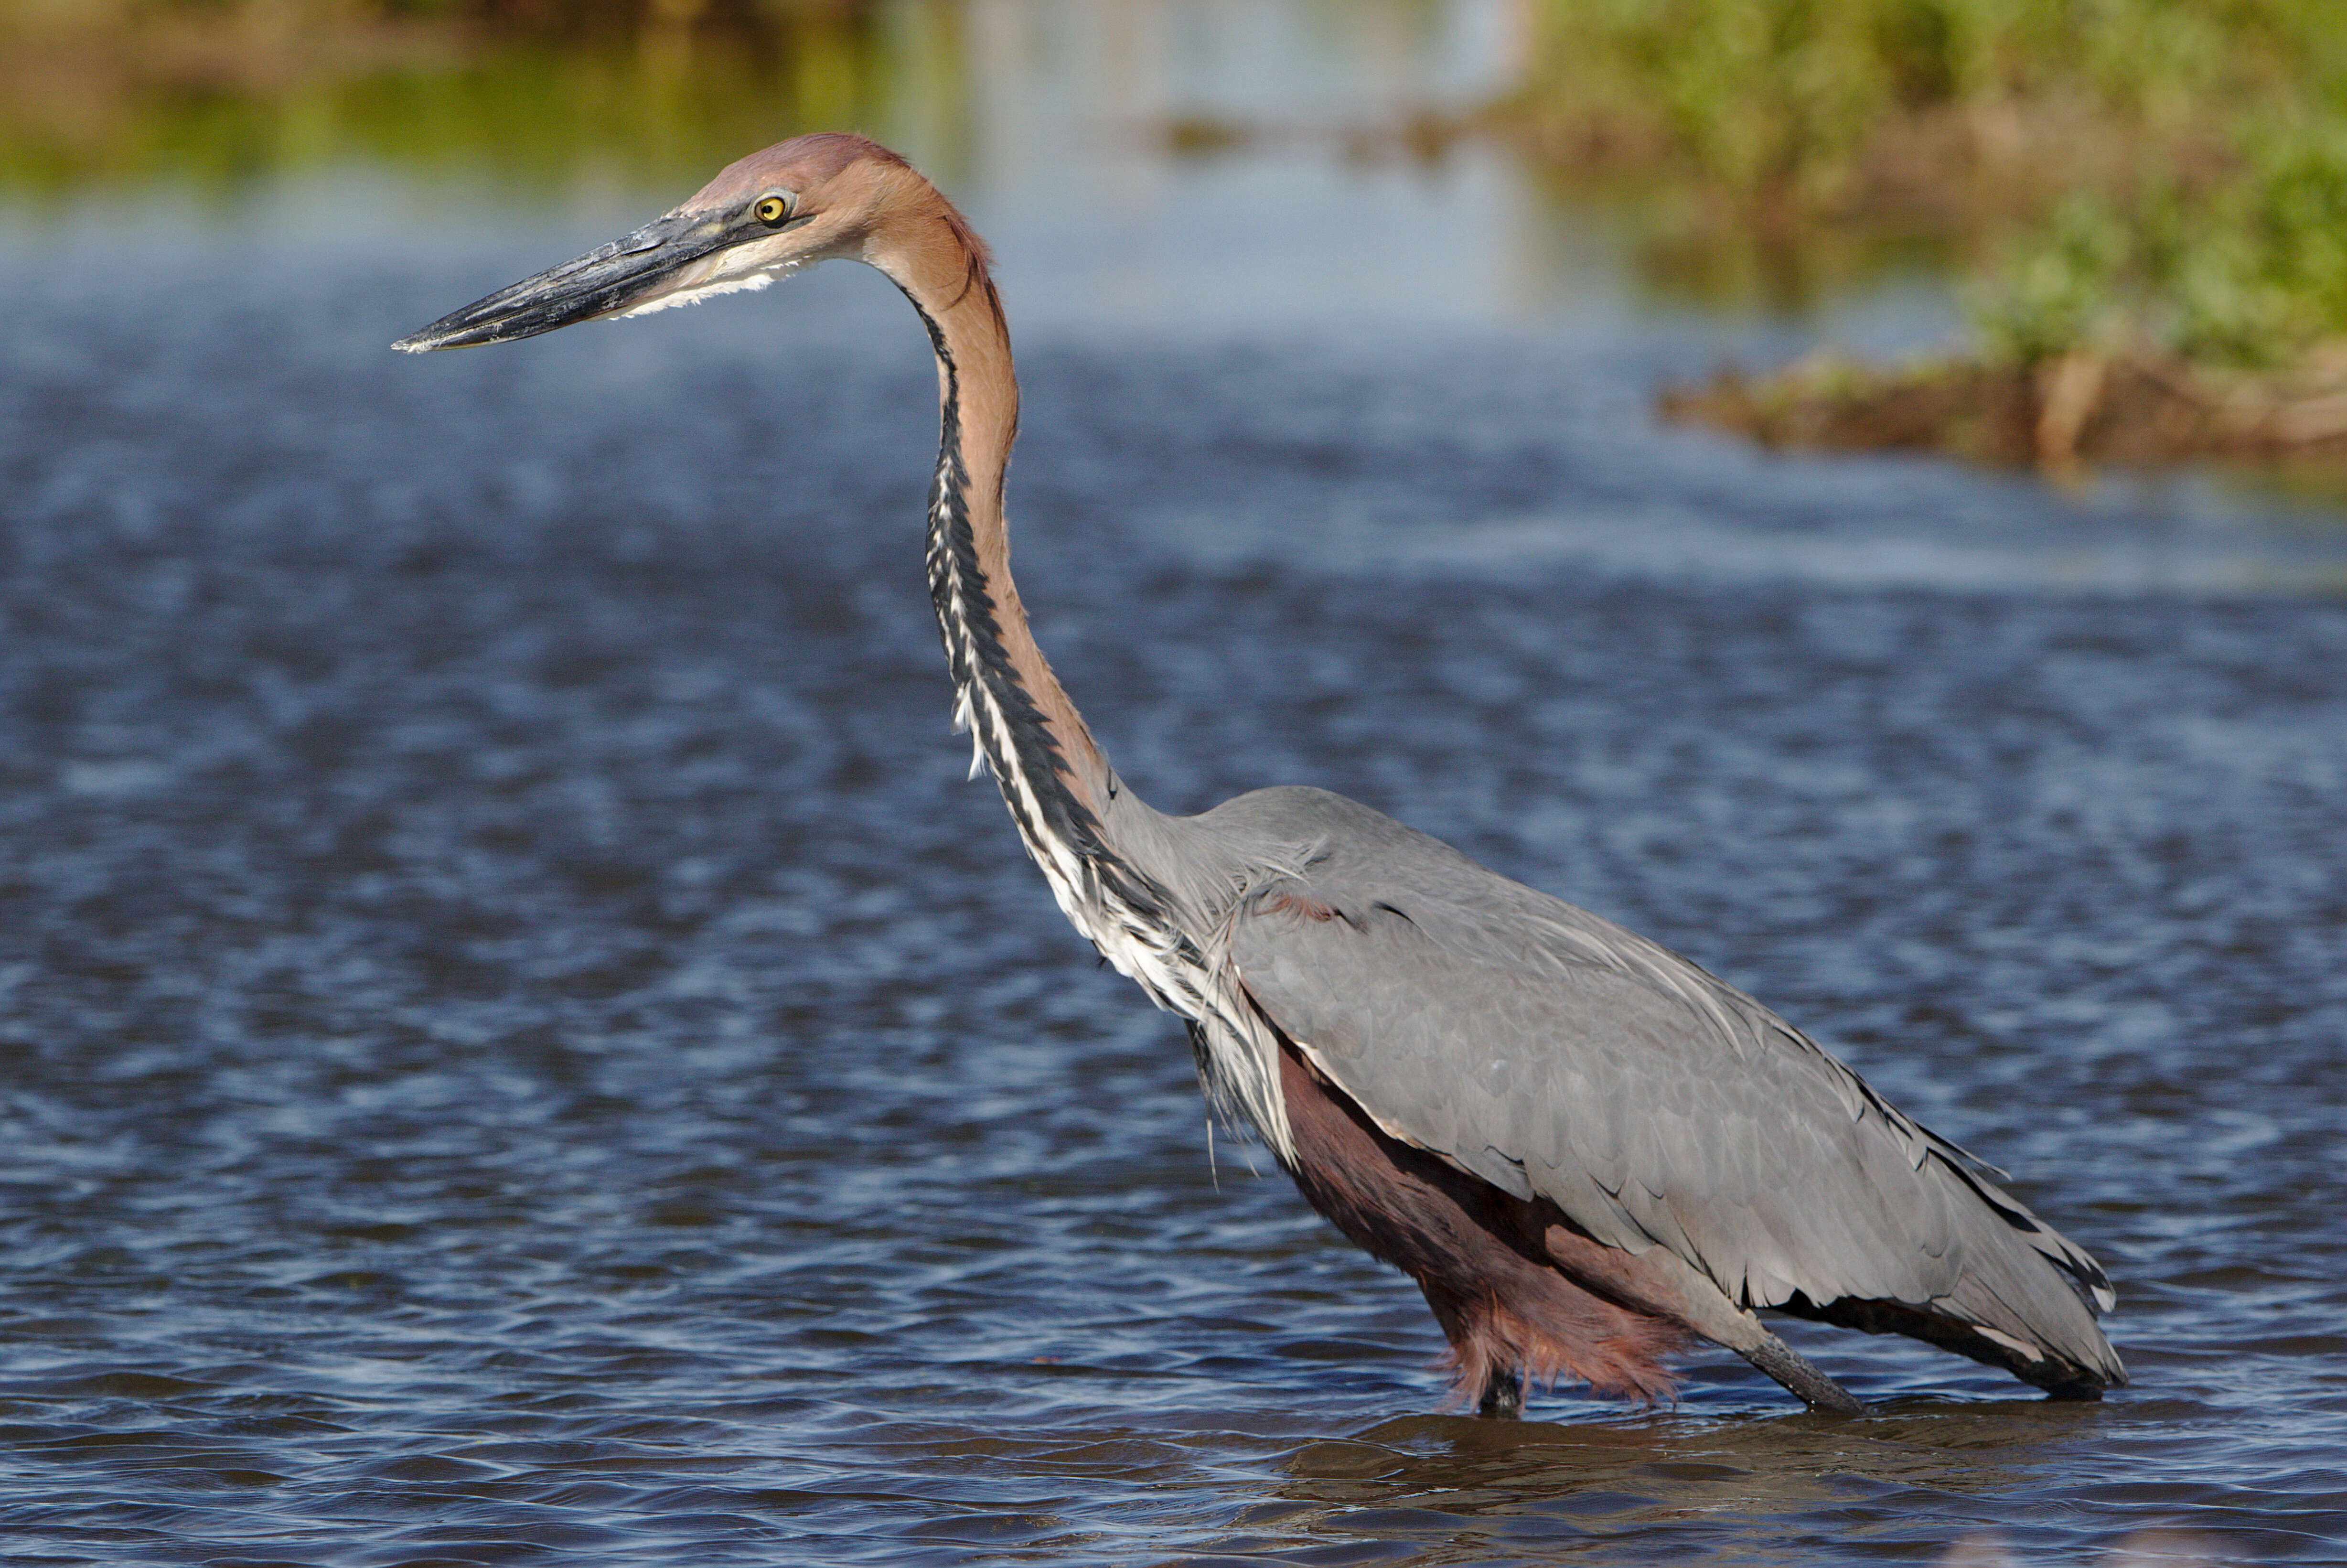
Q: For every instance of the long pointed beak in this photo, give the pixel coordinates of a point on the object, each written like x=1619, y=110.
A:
x=608, y=279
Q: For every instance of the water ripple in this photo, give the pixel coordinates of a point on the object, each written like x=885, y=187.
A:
x=521, y=1046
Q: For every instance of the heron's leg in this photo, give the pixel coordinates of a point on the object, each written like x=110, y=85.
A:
x=1793, y=1369
x=1504, y=1395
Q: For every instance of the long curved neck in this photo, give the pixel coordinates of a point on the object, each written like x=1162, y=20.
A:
x=1054, y=777
x=1060, y=788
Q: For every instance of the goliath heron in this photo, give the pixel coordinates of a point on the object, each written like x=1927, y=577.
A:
x=1586, y=1151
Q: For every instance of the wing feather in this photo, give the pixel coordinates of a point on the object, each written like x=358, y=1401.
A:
x=1552, y=1052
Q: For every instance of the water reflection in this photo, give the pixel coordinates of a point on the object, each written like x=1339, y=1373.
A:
x=1048, y=119
x=225, y=100
x=231, y=98
x=1454, y=1487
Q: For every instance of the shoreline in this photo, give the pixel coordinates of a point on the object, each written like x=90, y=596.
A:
x=2127, y=407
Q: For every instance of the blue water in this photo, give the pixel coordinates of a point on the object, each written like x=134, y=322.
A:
x=520, y=1044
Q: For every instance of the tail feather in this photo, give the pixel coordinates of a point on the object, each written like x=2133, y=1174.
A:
x=2034, y=1294
x=2026, y=1298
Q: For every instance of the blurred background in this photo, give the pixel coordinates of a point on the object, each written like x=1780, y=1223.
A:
x=2150, y=169
x=518, y=1041
x=1153, y=165
x=2129, y=210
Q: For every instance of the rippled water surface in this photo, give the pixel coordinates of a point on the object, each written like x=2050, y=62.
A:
x=520, y=1044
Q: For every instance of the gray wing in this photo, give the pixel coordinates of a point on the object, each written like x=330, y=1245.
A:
x=1555, y=1054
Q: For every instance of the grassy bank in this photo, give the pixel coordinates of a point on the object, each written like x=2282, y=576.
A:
x=216, y=94
x=2148, y=197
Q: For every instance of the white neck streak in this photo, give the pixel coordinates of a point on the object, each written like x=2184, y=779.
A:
x=1060, y=790
x=1026, y=730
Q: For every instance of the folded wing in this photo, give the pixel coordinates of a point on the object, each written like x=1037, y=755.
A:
x=1557, y=1055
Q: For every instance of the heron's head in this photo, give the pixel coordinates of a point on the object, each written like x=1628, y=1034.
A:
x=761, y=219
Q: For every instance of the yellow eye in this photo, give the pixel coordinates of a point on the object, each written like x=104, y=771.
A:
x=772, y=210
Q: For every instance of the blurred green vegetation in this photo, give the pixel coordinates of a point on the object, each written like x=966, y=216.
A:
x=2165, y=175
x=222, y=96
x=2168, y=175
